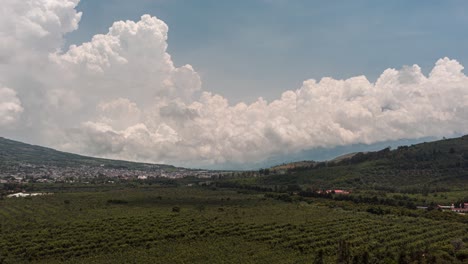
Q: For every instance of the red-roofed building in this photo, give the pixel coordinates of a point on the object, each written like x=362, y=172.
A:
x=335, y=191
x=341, y=192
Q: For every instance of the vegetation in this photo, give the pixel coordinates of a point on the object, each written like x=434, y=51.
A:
x=148, y=224
x=14, y=152
x=422, y=168
x=270, y=216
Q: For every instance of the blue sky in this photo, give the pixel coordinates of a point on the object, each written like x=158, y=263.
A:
x=124, y=96
x=247, y=49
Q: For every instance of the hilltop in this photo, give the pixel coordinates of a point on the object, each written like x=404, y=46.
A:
x=294, y=165
x=15, y=152
x=431, y=165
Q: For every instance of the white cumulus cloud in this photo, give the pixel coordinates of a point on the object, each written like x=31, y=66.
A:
x=10, y=107
x=32, y=28
x=121, y=96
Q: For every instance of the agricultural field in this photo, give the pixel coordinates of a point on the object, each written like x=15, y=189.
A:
x=151, y=224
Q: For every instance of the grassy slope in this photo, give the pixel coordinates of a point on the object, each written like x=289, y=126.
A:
x=14, y=152
x=436, y=164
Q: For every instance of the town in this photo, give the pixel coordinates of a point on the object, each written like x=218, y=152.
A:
x=30, y=173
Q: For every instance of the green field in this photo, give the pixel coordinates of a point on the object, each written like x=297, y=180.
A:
x=208, y=225
x=243, y=217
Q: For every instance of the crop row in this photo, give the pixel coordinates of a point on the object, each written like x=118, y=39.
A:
x=81, y=238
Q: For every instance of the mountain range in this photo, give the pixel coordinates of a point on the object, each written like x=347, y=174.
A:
x=431, y=165
x=15, y=152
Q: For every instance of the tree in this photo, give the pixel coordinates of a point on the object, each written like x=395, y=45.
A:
x=319, y=257
x=403, y=258
x=457, y=244
x=365, y=257
x=344, y=253
x=200, y=208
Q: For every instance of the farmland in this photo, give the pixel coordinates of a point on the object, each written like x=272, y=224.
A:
x=286, y=215
x=151, y=224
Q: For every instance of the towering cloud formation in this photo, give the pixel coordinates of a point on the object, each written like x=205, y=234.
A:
x=35, y=27
x=120, y=96
x=10, y=107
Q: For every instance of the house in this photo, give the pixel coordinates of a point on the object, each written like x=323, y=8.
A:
x=205, y=183
x=446, y=206
x=460, y=210
x=341, y=192
x=336, y=191
x=21, y=194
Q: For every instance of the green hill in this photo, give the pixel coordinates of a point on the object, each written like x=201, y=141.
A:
x=431, y=165
x=14, y=152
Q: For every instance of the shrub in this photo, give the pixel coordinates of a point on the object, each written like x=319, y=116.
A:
x=462, y=254
x=116, y=201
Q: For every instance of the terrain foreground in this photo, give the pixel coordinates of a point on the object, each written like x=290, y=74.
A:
x=154, y=224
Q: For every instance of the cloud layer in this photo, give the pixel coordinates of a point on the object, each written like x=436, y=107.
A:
x=121, y=96
x=10, y=107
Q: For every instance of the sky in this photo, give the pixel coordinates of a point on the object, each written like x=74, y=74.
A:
x=236, y=84
x=292, y=40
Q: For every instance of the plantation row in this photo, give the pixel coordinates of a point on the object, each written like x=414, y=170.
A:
x=51, y=231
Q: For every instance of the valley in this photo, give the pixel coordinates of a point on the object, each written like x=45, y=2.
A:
x=391, y=206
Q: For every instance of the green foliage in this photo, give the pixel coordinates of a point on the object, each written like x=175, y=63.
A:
x=116, y=201
x=462, y=254
x=422, y=168
x=319, y=257
x=249, y=229
x=14, y=152
x=343, y=253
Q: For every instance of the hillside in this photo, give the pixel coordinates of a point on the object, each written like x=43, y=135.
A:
x=430, y=165
x=14, y=152
x=294, y=165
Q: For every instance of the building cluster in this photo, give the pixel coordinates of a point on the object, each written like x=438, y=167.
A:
x=334, y=191
x=461, y=209
x=22, y=173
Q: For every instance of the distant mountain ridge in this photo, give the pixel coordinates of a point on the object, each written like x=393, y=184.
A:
x=437, y=164
x=14, y=152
